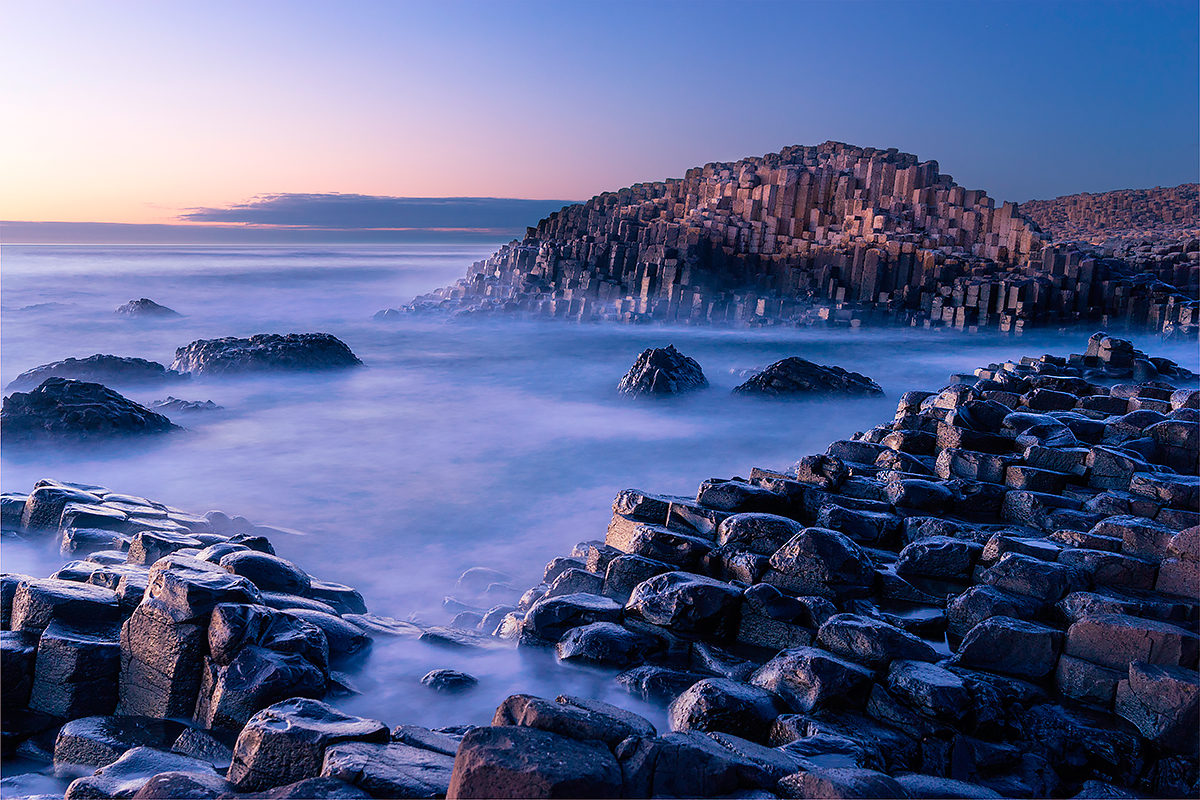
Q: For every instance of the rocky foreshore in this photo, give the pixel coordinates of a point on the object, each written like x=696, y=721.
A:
x=993, y=594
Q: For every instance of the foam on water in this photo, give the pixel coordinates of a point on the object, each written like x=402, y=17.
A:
x=498, y=443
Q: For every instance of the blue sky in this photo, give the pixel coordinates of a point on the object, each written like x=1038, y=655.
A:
x=135, y=112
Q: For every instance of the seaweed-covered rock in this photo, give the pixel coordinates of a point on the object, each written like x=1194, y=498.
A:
x=796, y=376
x=662, y=371
x=265, y=351
x=98, y=368
x=61, y=408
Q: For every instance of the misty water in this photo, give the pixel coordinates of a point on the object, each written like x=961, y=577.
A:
x=459, y=444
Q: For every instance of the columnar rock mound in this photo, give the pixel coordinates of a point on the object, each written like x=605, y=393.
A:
x=1157, y=215
x=265, y=351
x=98, y=368
x=145, y=307
x=173, y=405
x=796, y=376
x=828, y=234
x=66, y=409
x=662, y=371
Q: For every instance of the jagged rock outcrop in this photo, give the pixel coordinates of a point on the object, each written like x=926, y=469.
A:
x=796, y=376
x=833, y=233
x=99, y=368
x=265, y=351
x=662, y=371
x=66, y=409
x=145, y=307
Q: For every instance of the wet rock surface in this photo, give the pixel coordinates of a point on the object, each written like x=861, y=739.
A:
x=798, y=377
x=662, y=371
x=264, y=351
x=99, y=368
x=995, y=594
x=65, y=409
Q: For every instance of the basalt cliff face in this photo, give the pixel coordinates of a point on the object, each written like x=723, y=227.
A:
x=832, y=233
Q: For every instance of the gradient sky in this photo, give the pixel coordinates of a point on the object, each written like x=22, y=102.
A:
x=137, y=111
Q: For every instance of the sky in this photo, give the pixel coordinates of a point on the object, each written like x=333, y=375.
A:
x=152, y=112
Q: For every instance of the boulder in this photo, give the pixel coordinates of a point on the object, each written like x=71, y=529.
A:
x=605, y=644
x=186, y=588
x=145, y=307
x=523, y=762
x=37, y=603
x=1163, y=702
x=687, y=603
x=98, y=741
x=758, y=533
x=808, y=678
x=819, y=561
x=315, y=789
x=286, y=742
x=872, y=642
x=796, y=376
x=69, y=409
x=662, y=371
x=264, y=351
x=389, y=770
x=550, y=617
x=129, y=773
x=179, y=784
x=76, y=671
x=1115, y=640
x=268, y=572
x=933, y=690
x=657, y=684
x=229, y=695
x=573, y=717
x=105, y=369
x=719, y=704
x=1011, y=647
x=448, y=681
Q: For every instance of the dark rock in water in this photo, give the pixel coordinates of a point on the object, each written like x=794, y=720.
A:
x=689, y=603
x=438, y=741
x=847, y=783
x=254, y=679
x=264, y=351
x=145, y=307
x=198, y=744
x=526, y=762
x=795, y=376
x=606, y=644
x=63, y=408
x=572, y=716
x=286, y=742
x=657, y=684
x=389, y=770
x=173, y=405
x=98, y=368
x=449, y=681
x=269, y=573
x=129, y=773
x=662, y=371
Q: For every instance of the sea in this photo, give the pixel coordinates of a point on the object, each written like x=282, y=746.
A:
x=497, y=443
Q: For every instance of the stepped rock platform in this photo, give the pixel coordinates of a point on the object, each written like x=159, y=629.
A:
x=832, y=234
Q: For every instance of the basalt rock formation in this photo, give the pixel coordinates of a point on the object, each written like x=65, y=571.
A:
x=1161, y=215
x=832, y=233
x=99, y=368
x=796, y=376
x=265, y=351
x=993, y=594
x=662, y=371
x=64, y=409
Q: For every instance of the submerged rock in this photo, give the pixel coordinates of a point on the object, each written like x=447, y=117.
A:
x=796, y=376
x=145, y=307
x=98, y=368
x=62, y=408
x=265, y=351
x=662, y=371
x=175, y=405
